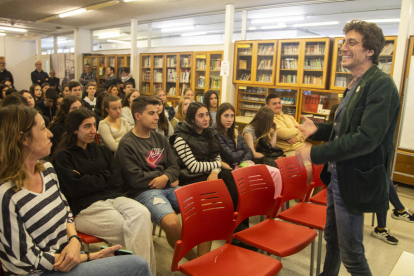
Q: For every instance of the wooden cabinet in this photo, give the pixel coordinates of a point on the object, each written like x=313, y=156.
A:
x=254, y=62
x=404, y=167
x=206, y=75
x=316, y=104
x=303, y=62
x=152, y=73
x=340, y=77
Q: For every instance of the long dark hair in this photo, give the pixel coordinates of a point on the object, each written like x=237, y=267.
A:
x=221, y=109
x=99, y=101
x=2, y=86
x=190, y=119
x=206, y=101
x=63, y=112
x=162, y=119
x=32, y=90
x=262, y=123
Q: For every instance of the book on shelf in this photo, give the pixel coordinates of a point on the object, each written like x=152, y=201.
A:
x=201, y=65
x=265, y=64
x=157, y=86
x=249, y=113
x=342, y=81
x=288, y=78
x=289, y=63
x=183, y=88
x=146, y=88
x=201, y=82
x=172, y=91
x=266, y=50
x=157, y=76
x=252, y=105
x=288, y=101
x=315, y=49
x=386, y=67
x=215, y=64
x=313, y=64
x=146, y=75
x=171, y=61
x=185, y=62
x=264, y=78
x=290, y=49
x=242, y=64
x=146, y=62
x=171, y=75
x=388, y=49
x=158, y=61
x=245, y=77
x=199, y=98
x=215, y=83
x=312, y=80
x=311, y=103
x=185, y=76
x=245, y=51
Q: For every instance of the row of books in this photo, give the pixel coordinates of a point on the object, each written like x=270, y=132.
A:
x=201, y=65
x=172, y=91
x=253, y=98
x=215, y=83
x=111, y=62
x=252, y=105
x=185, y=62
x=259, y=90
x=201, y=82
x=200, y=98
x=215, y=64
x=158, y=62
x=171, y=75
x=248, y=113
x=289, y=63
x=264, y=78
x=290, y=49
x=158, y=76
x=288, y=78
x=386, y=67
x=146, y=75
x=310, y=103
x=289, y=110
x=312, y=80
x=171, y=62
x=185, y=76
x=265, y=64
x=342, y=81
x=145, y=88
x=146, y=62
x=93, y=62
x=315, y=49
x=245, y=77
x=245, y=51
x=288, y=101
x=388, y=49
x=314, y=64
x=266, y=50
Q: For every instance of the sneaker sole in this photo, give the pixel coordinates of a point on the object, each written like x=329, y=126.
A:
x=384, y=239
x=401, y=218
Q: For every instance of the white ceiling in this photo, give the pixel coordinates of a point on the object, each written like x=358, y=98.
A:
x=204, y=15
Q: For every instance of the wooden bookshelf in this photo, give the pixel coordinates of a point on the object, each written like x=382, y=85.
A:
x=254, y=62
x=317, y=103
x=340, y=76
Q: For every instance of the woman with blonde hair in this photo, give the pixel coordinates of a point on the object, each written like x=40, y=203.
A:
x=130, y=96
x=168, y=109
x=182, y=107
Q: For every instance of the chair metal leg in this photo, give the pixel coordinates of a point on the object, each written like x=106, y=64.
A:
x=159, y=233
x=86, y=247
x=154, y=227
x=373, y=219
x=312, y=259
x=279, y=258
x=262, y=218
x=318, y=262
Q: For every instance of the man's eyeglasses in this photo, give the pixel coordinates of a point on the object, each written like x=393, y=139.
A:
x=351, y=43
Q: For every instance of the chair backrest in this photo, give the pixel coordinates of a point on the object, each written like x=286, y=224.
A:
x=316, y=180
x=256, y=192
x=294, y=179
x=207, y=214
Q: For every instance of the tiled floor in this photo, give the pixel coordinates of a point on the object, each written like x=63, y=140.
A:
x=381, y=256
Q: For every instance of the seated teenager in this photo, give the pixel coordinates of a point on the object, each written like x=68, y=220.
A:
x=182, y=107
x=38, y=235
x=36, y=91
x=76, y=90
x=150, y=169
x=188, y=92
x=100, y=95
x=168, y=109
x=130, y=96
x=114, y=90
x=234, y=150
x=48, y=105
x=92, y=183
x=211, y=101
x=164, y=126
x=45, y=87
x=90, y=97
x=65, y=90
x=260, y=128
x=112, y=128
x=57, y=126
x=199, y=151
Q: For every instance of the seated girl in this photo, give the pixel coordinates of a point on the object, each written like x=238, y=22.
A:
x=92, y=183
x=182, y=107
x=112, y=128
x=164, y=126
x=168, y=109
x=126, y=106
x=38, y=233
x=211, y=101
x=114, y=90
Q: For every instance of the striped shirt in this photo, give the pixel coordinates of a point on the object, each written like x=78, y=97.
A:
x=187, y=157
x=32, y=225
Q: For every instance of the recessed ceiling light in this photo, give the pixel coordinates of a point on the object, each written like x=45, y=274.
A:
x=13, y=29
x=316, y=24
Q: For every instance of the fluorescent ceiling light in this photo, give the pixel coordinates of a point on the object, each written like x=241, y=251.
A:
x=53, y=17
x=177, y=29
x=108, y=35
x=194, y=34
x=70, y=13
x=251, y=28
x=279, y=26
x=13, y=29
x=316, y=24
x=2, y=34
x=387, y=20
x=119, y=41
x=129, y=0
x=278, y=19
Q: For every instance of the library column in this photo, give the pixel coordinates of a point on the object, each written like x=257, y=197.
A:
x=83, y=44
x=39, y=48
x=228, y=92
x=134, y=51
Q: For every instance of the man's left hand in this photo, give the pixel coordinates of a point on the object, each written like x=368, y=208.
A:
x=159, y=182
x=303, y=154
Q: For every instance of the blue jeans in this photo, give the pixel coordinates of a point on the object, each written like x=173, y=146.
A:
x=395, y=201
x=119, y=265
x=343, y=235
x=160, y=202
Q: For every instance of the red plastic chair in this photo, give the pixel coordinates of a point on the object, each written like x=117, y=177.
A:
x=321, y=197
x=97, y=138
x=88, y=239
x=256, y=197
x=207, y=214
x=294, y=179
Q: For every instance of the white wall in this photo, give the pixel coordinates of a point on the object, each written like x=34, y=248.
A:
x=83, y=44
x=20, y=59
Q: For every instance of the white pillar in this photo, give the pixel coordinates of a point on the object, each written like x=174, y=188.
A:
x=83, y=44
x=244, y=25
x=134, y=51
x=55, y=45
x=149, y=34
x=228, y=91
x=402, y=43
x=39, y=48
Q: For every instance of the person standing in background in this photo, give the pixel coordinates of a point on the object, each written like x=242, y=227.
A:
x=87, y=76
x=53, y=81
x=38, y=76
x=127, y=76
x=111, y=78
x=4, y=74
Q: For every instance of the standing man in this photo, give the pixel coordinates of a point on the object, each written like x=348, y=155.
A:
x=111, y=79
x=38, y=76
x=359, y=150
x=87, y=76
x=53, y=81
x=4, y=74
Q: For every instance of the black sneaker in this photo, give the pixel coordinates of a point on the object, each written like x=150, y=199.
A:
x=384, y=235
x=407, y=215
